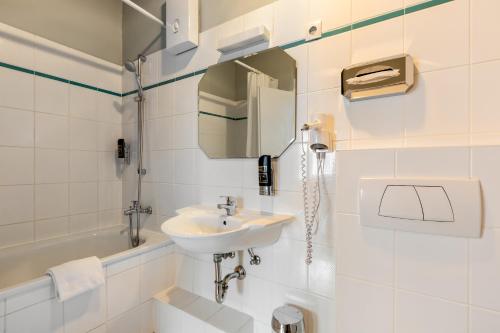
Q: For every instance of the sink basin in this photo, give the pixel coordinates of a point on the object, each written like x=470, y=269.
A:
x=205, y=230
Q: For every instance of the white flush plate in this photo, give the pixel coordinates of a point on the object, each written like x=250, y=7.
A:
x=427, y=205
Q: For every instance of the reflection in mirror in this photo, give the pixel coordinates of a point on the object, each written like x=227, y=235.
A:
x=247, y=106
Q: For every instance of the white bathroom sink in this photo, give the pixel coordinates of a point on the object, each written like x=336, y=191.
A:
x=207, y=230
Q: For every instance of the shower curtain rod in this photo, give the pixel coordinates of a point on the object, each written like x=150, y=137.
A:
x=248, y=67
x=144, y=12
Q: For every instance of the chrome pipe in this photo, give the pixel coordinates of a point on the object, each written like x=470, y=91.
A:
x=222, y=284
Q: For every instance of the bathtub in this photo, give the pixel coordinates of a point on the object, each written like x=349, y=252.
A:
x=24, y=266
x=133, y=277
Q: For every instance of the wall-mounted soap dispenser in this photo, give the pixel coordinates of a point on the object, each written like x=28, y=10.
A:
x=123, y=151
x=266, y=183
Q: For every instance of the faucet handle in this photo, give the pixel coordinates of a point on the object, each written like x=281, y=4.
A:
x=229, y=199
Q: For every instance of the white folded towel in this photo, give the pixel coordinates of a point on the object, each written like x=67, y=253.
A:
x=76, y=277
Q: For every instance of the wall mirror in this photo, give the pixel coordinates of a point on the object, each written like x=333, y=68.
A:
x=247, y=106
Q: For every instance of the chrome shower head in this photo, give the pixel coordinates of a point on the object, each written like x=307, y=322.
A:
x=130, y=66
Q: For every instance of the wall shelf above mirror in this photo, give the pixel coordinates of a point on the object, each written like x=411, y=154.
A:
x=247, y=106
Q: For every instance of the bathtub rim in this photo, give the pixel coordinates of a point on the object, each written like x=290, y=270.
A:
x=159, y=240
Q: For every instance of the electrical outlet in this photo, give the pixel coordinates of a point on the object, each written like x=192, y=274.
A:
x=314, y=30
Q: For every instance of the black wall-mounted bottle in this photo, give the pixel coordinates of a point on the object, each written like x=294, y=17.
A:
x=265, y=175
x=121, y=148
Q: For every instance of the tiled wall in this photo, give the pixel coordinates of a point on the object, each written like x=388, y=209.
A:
x=380, y=280
x=124, y=304
x=57, y=139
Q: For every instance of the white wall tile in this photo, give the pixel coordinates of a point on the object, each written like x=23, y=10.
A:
x=16, y=203
x=51, y=166
x=184, y=272
x=83, y=134
x=51, y=228
x=110, y=169
x=287, y=11
x=484, y=27
x=417, y=313
x=330, y=102
x=161, y=132
x=83, y=166
x=483, y=321
x=186, y=93
x=484, y=270
x=432, y=265
x=51, y=200
x=164, y=162
x=110, y=195
x=16, y=89
x=16, y=166
x=483, y=101
x=327, y=58
x=449, y=25
x=16, y=128
x=379, y=40
x=185, y=131
x=51, y=131
x=185, y=166
x=28, y=298
x=364, y=253
x=118, y=301
x=289, y=263
x=355, y=300
x=363, y=9
x=166, y=101
x=83, y=222
x=356, y=164
x=377, y=119
x=83, y=198
x=321, y=272
x=157, y=275
x=83, y=103
x=219, y=172
x=51, y=96
x=430, y=110
x=333, y=14
x=484, y=164
x=109, y=108
x=129, y=322
x=433, y=162
x=110, y=218
x=123, y=265
x=45, y=317
x=108, y=135
x=85, y=312
x=14, y=234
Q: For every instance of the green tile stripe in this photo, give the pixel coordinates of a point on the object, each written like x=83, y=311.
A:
x=220, y=116
x=330, y=33
x=57, y=78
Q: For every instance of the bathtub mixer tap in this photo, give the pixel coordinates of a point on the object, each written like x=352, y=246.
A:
x=136, y=209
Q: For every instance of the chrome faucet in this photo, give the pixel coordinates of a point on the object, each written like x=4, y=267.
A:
x=230, y=205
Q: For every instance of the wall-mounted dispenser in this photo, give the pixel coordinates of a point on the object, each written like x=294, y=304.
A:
x=266, y=184
x=123, y=151
x=182, y=25
x=383, y=77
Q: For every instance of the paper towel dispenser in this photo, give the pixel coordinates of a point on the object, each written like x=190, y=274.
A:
x=382, y=77
x=437, y=206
